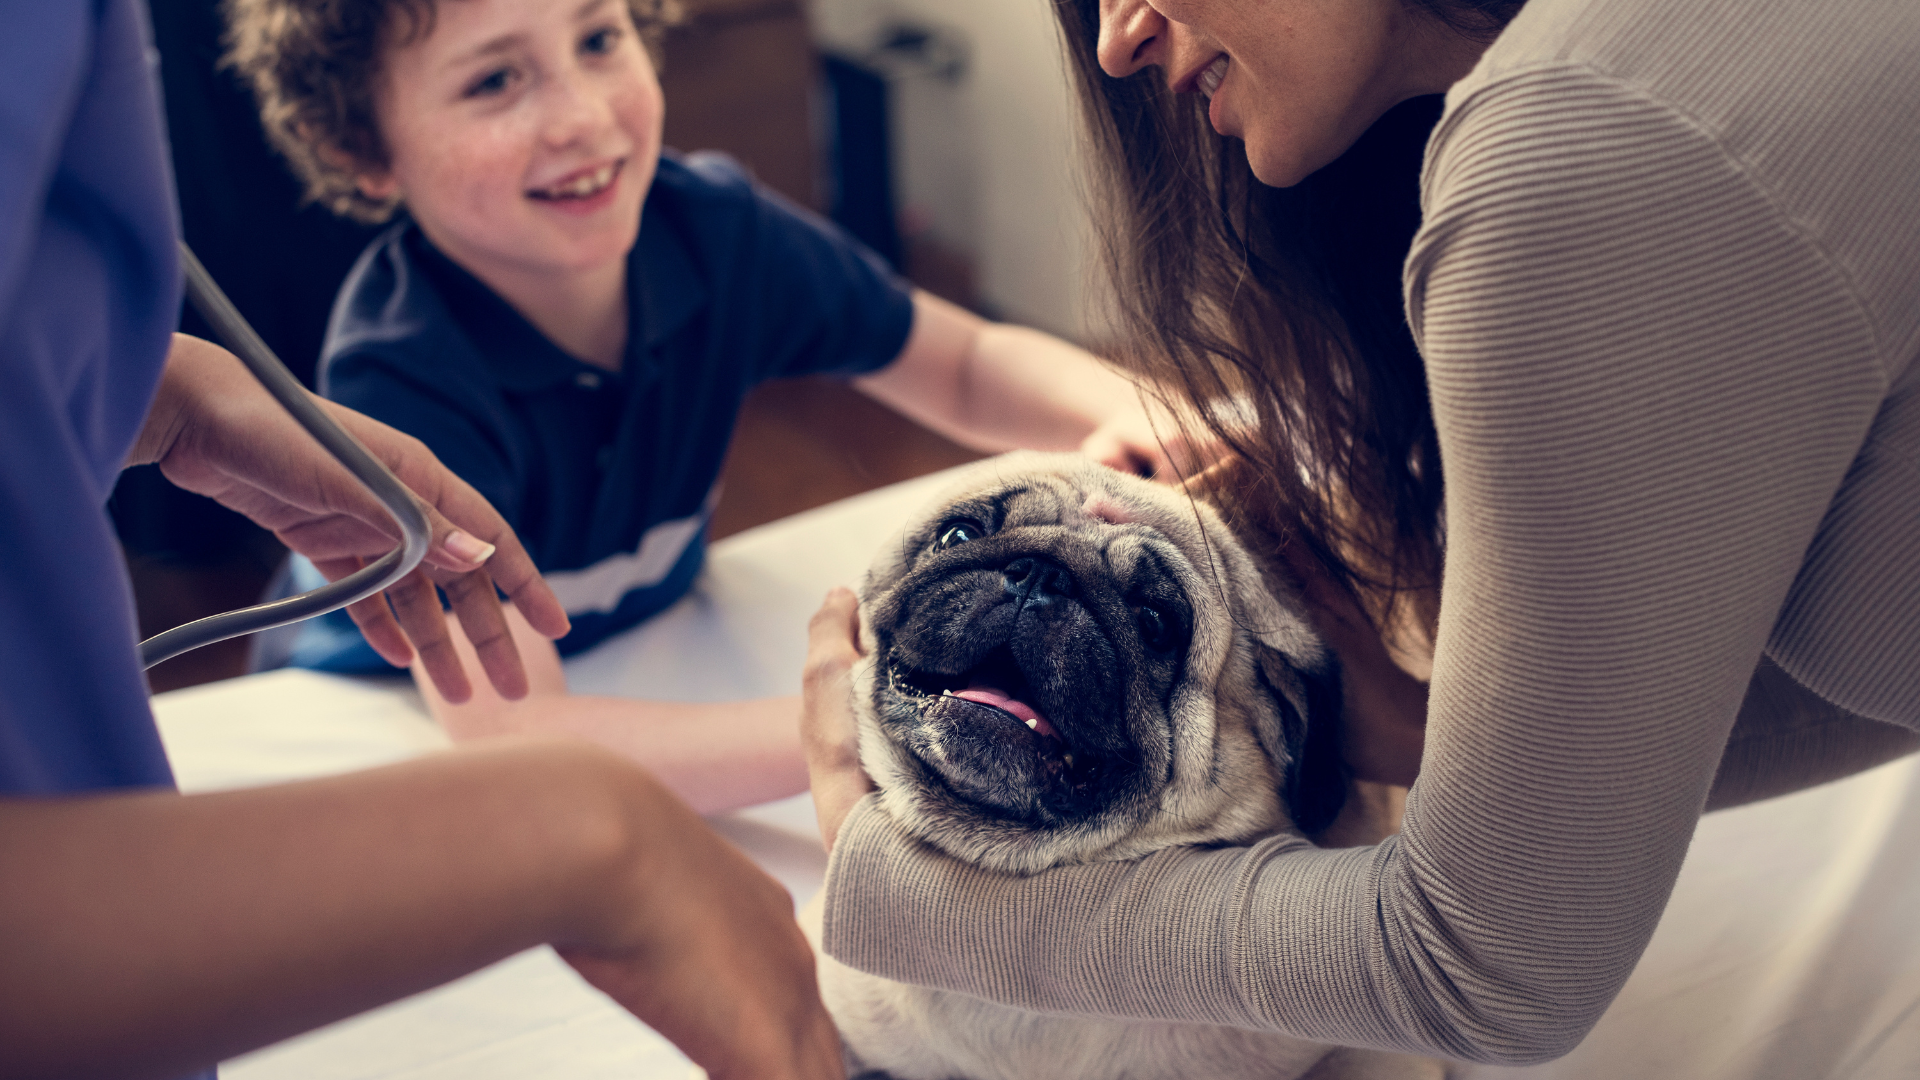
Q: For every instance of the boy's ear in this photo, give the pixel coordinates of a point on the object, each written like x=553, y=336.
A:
x=377, y=185
x=374, y=182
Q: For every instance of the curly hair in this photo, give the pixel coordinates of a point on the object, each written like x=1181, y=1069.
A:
x=313, y=65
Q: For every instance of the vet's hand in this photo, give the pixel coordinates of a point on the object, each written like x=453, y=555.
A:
x=1146, y=440
x=702, y=945
x=828, y=733
x=215, y=430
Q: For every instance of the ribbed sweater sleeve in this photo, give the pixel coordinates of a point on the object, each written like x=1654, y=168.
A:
x=1649, y=384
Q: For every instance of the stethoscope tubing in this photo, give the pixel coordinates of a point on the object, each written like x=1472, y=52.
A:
x=416, y=531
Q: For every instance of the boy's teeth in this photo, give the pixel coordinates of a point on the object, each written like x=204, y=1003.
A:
x=583, y=186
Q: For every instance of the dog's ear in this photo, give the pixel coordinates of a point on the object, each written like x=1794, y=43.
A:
x=1303, y=735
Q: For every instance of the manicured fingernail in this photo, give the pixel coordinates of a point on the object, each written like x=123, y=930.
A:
x=467, y=548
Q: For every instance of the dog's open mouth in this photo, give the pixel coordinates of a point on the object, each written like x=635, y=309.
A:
x=996, y=684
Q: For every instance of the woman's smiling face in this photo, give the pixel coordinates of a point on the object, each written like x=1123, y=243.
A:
x=522, y=134
x=1297, y=80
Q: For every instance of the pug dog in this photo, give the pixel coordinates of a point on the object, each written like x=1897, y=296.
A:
x=1067, y=664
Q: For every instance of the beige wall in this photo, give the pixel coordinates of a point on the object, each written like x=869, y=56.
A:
x=1018, y=201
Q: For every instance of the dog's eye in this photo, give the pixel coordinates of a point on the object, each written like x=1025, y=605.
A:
x=1159, y=631
x=958, y=533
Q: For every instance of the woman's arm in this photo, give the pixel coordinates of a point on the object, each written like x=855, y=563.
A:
x=1648, y=387
x=717, y=756
x=150, y=934
x=993, y=386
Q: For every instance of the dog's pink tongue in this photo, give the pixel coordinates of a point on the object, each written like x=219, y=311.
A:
x=999, y=699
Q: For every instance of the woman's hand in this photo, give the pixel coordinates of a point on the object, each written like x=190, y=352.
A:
x=1384, y=727
x=828, y=732
x=216, y=431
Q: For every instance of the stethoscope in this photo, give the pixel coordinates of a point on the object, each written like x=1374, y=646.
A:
x=239, y=336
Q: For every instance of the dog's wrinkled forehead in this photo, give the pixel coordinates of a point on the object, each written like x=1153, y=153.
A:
x=1065, y=491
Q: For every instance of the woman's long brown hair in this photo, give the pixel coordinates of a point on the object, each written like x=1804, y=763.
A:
x=1276, y=313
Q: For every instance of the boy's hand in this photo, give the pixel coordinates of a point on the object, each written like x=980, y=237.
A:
x=1146, y=441
x=214, y=430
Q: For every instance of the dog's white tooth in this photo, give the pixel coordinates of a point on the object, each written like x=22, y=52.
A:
x=946, y=693
x=1033, y=725
x=1068, y=758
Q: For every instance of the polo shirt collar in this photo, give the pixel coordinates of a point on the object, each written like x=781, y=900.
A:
x=665, y=290
x=666, y=283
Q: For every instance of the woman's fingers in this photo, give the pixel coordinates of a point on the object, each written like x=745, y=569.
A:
x=829, y=732
x=827, y=727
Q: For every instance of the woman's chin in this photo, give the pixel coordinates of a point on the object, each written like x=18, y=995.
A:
x=1276, y=170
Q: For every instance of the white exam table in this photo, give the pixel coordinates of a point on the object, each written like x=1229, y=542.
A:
x=1790, y=950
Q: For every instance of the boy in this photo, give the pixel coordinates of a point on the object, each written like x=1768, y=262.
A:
x=570, y=320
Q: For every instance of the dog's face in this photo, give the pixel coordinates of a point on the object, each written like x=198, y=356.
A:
x=1066, y=663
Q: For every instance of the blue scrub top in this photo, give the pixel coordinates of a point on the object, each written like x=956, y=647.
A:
x=89, y=294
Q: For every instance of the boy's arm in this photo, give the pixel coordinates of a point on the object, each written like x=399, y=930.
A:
x=717, y=756
x=150, y=934
x=995, y=387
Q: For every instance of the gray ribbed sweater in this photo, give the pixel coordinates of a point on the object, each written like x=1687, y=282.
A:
x=1668, y=293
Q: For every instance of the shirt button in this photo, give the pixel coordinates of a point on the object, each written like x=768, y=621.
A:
x=587, y=380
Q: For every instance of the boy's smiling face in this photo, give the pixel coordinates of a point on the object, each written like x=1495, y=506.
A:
x=522, y=134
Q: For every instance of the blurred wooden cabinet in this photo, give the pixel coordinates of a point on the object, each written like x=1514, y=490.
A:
x=741, y=76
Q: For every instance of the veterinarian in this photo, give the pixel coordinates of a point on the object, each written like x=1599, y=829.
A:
x=1664, y=311
x=152, y=934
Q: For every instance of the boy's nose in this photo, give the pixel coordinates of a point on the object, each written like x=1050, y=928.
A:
x=1132, y=36
x=574, y=110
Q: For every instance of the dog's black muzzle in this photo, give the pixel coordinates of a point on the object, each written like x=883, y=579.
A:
x=1008, y=674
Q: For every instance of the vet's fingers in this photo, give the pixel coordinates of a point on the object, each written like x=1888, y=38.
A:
x=468, y=533
x=484, y=623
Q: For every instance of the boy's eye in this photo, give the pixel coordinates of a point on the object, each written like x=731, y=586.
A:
x=491, y=83
x=601, y=41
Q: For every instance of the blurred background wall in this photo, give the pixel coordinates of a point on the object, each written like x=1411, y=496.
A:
x=984, y=155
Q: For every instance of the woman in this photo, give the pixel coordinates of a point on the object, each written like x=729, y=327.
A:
x=1667, y=311
x=152, y=934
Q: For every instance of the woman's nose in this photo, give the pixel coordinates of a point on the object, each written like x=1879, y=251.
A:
x=1132, y=36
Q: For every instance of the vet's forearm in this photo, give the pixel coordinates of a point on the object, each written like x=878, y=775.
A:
x=149, y=934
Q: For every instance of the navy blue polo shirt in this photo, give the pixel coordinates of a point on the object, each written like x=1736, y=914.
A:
x=609, y=479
